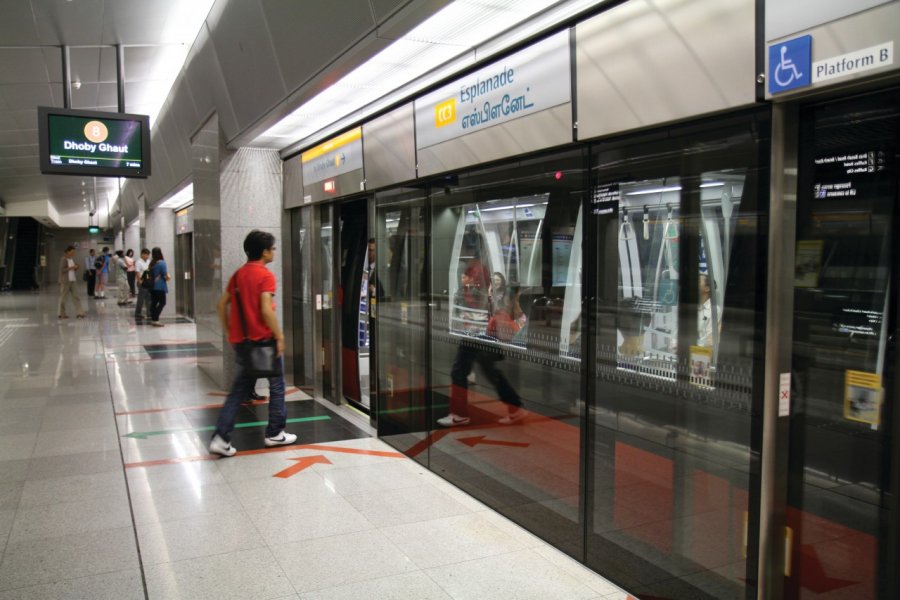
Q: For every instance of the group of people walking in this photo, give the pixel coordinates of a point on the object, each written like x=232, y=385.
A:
x=146, y=279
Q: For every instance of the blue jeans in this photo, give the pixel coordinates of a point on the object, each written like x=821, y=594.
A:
x=240, y=391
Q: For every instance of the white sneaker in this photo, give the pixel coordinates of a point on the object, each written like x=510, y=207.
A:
x=452, y=420
x=282, y=439
x=513, y=417
x=220, y=446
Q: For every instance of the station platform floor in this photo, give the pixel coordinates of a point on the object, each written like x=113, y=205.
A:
x=107, y=490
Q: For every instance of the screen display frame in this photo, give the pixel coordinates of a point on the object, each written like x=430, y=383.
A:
x=44, y=114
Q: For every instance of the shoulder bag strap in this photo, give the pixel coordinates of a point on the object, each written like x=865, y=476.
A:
x=240, y=308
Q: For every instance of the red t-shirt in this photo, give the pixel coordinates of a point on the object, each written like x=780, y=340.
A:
x=251, y=280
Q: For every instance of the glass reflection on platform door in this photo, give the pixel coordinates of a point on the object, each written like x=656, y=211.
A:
x=506, y=388
x=677, y=361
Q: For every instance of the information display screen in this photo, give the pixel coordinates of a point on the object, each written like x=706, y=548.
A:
x=79, y=142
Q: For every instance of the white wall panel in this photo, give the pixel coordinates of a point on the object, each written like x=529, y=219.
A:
x=648, y=62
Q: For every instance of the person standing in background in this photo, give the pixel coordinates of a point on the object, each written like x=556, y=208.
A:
x=143, y=294
x=102, y=266
x=90, y=273
x=129, y=271
x=160, y=273
x=67, y=268
x=120, y=261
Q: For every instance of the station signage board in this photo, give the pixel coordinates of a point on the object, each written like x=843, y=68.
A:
x=522, y=84
x=334, y=157
x=333, y=168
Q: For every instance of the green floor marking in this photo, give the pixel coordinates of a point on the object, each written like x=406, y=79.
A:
x=143, y=435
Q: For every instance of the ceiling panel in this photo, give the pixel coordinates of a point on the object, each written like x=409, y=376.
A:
x=109, y=67
x=83, y=64
x=384, y=8
x=86, y=96
x=17, y=27
x=22, y=65
x=326, y=28
x=244, y=49
x=24, y=96
x=69, y=23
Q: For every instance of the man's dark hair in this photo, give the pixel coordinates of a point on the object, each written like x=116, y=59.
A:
x=145, y=250
x=105, y=249
x=256, y=243
x=69, y=248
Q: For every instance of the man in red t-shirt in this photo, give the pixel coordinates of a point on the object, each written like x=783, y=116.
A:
x=255, y=298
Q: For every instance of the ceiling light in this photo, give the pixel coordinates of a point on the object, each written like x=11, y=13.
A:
x=442, y=45
x=659, y=190
x=180, y=199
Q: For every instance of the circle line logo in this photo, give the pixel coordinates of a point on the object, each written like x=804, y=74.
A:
x=96, y=131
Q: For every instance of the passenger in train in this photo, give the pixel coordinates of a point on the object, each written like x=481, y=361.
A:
x=704, y=316
x=497, y=292
x=252, y=316
x=478, y=274
x=502, y=326
x=630, y=329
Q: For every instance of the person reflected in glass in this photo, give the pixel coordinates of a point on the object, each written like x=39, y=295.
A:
x=503, y=326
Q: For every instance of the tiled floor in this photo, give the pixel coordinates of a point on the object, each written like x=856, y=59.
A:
x=92, y=505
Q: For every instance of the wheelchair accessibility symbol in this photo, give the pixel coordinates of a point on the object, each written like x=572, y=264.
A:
x=790, y=64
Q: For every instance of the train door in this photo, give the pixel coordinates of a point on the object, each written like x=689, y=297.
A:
x=675, y=312
x=506, y=413
x=401, y=318
x=323, y=290
x=184, y=262
x=303, y=301
x=843, y=465
x=357, y=281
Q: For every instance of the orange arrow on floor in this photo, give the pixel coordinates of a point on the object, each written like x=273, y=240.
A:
x=479, y=439
x=302, y=463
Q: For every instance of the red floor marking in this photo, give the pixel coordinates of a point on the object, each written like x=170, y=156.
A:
x=320, y=447
x=480, y=439
x=303, y=462
x=345, y=450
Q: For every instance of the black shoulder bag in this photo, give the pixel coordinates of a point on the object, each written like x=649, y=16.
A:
x=259, y=358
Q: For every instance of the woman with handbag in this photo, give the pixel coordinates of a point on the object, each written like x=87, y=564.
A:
x=247, y=312
x=160, y=274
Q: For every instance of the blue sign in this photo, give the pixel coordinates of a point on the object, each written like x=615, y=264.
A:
x=790, y=64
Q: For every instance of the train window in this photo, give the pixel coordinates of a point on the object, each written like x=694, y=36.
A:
x=499, y=247
x=648, y=259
